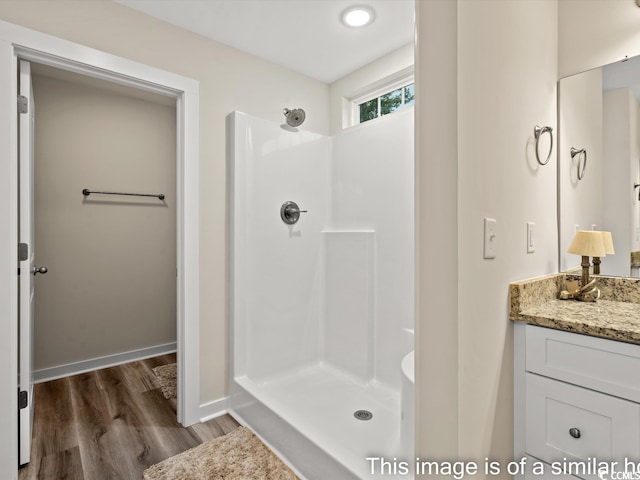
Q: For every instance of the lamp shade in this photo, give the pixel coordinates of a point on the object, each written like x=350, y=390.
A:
x=588, y=243
x=607, y=238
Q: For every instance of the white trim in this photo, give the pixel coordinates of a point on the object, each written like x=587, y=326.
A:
x=386, y=88
x=214, y=409
x=36, y=56
x=8, y=268
x=519, y=392
x=98, y=363
x=75, y=57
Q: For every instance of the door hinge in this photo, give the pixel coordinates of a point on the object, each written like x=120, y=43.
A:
x=23, y=399
x=23, y=104
x=23, y=252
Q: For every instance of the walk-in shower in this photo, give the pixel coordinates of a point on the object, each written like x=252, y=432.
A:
x=322, y=307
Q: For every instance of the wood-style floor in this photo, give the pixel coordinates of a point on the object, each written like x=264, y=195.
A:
x=109, y=424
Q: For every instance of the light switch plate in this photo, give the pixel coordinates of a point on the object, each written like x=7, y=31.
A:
x=490, y=238
x=531, y=246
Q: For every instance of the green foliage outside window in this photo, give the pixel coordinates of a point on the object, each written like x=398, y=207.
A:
x=368, y=110
x=409, y=95
x=389, y=102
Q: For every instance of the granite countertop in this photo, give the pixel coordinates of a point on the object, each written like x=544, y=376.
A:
x=616, y=316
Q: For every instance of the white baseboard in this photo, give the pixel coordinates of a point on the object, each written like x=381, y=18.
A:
x=213, y=409
x=98, y=363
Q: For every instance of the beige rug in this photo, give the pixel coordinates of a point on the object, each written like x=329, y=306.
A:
x=166, y=375
x=238, y=455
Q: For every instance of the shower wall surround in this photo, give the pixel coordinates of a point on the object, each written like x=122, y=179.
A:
x=278, y=282
x=372, y=189
x=322, y=308
x=358, y=189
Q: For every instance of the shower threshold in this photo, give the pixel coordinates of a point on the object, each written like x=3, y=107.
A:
x=318, y=403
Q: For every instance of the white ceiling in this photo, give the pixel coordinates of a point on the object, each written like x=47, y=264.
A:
x=303, y=35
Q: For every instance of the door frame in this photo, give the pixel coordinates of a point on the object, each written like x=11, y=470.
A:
x=19, y=42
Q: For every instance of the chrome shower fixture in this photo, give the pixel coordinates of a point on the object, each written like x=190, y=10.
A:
x=290, y=213
x=295, y=117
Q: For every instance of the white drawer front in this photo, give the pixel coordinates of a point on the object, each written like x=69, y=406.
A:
x=600, y=364
x=609, y=427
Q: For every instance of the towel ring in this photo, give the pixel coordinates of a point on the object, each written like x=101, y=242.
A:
x=582, y=160
x=537, y=133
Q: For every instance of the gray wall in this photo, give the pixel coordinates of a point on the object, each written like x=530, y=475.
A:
x=112, y=260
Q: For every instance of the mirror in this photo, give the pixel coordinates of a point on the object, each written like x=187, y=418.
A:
x=599, y=111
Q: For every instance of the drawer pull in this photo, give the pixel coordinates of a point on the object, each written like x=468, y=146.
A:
x=575, y=432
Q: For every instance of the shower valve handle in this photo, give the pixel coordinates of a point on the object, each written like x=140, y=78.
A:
x=290, y=212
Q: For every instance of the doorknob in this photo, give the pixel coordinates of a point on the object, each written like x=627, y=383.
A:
x=42, y=270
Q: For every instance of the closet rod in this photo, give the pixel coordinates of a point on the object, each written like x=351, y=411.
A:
x=86, y=192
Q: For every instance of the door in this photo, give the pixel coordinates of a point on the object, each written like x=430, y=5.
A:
x=27, y=268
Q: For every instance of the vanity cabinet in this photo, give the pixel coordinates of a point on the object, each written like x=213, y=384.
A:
x=577, y=397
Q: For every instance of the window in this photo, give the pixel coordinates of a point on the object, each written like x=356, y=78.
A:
x=389, y=101
x=382, y=96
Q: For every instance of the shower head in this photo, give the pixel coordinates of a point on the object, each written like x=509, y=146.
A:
x=295, y=117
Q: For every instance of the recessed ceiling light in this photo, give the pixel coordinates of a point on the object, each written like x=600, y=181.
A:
x=358, y=16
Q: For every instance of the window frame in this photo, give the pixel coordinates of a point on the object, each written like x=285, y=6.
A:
x=378, y=91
